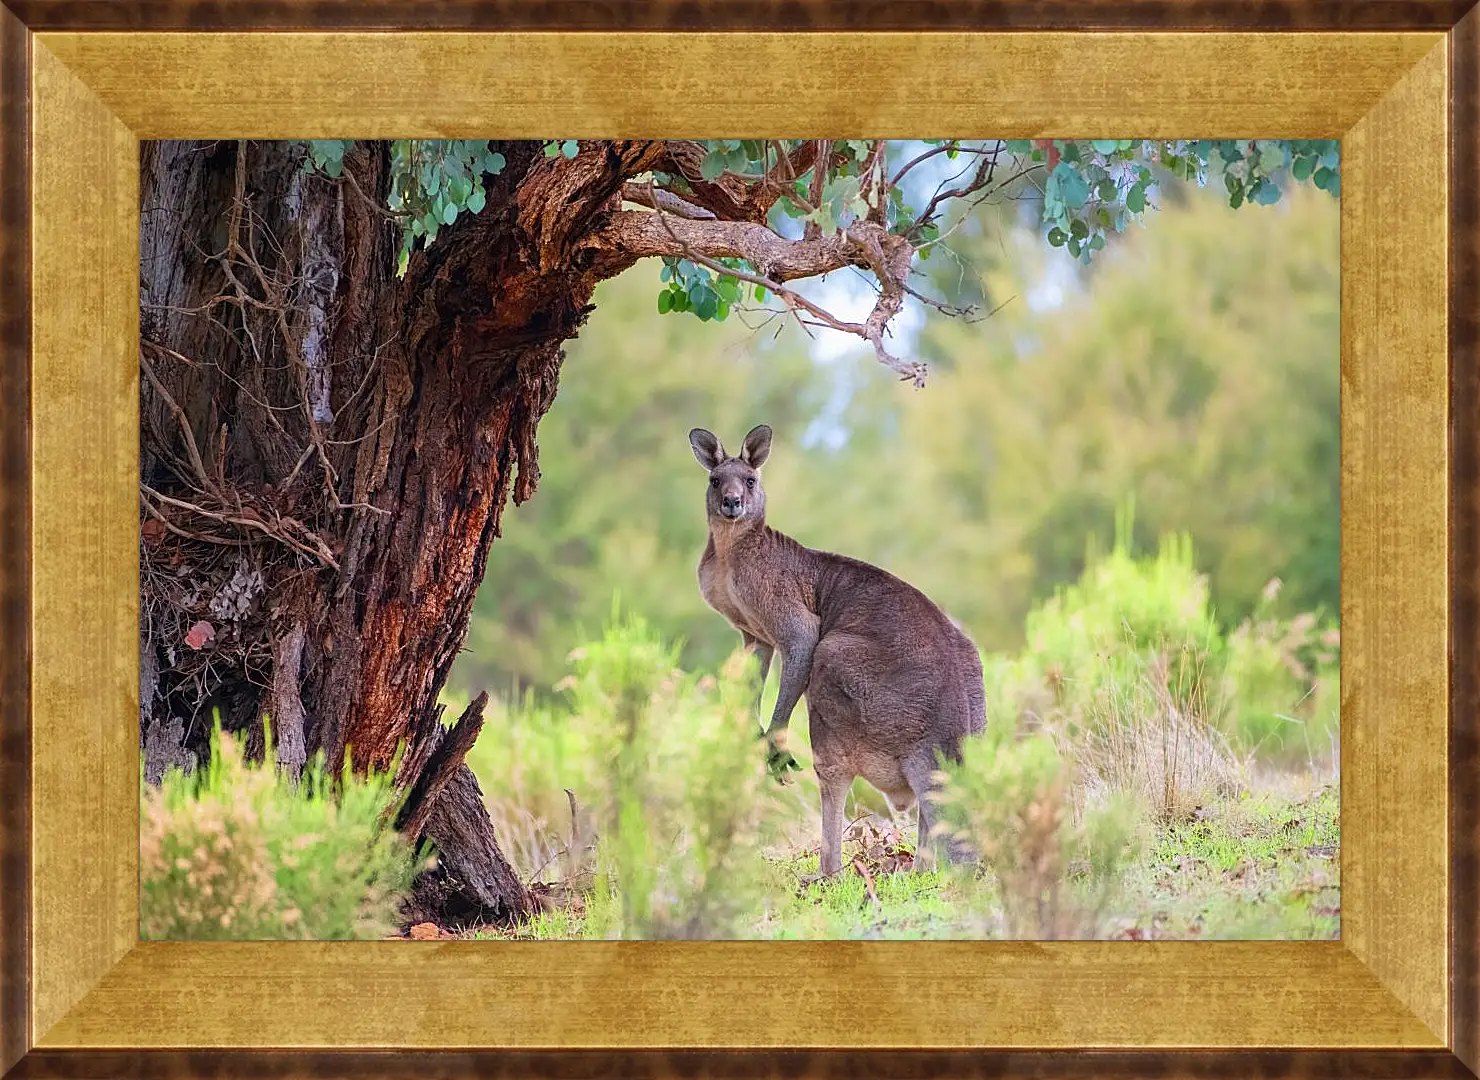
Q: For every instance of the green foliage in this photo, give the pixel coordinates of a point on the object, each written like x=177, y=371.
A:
x=328, y=155
x=1129, y=666
x=1099, y=186
x=1009, y=800
x=432, y=180
x=698, y=289
x=666, y=775
x=1124, y=615
x=233, y=851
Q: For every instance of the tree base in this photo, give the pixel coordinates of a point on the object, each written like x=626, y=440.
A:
x=468, y=856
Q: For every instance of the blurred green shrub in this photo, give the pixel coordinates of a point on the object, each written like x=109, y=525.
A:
x=647, y=790
x=1133, y=648
x=1058, y=872
x=232, y=851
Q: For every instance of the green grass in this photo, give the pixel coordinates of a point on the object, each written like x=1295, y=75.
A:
x=904, y=906
x=1257, y=867
x=1264, y=866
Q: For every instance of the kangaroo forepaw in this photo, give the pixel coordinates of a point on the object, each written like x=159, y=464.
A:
x=780, y=762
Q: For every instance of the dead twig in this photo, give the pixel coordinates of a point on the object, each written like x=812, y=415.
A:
x=191, y=448
x=868, y=879
x=319, y=551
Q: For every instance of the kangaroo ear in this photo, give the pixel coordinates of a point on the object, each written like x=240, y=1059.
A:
x=757, y=446
x=706, y=448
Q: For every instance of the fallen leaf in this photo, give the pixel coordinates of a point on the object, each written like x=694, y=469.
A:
x=425, y=931
x=199, y=634
x=154, y=532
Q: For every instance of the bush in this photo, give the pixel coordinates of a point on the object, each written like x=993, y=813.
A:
x=1121, y=617
x=1132, y=651
x=233, y=851
x=1283, y=680
x=648, y=791
x=1057, y=871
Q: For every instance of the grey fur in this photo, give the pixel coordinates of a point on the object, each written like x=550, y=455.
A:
x=890, y=680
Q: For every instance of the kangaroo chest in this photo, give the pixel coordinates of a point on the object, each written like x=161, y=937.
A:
x=721, y=591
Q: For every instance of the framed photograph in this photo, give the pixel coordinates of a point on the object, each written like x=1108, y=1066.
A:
x=784, y=539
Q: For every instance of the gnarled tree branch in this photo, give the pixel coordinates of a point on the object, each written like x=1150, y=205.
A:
x=658, y=198
x=630, y=235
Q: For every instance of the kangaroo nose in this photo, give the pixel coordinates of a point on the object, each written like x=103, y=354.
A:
x=730, y=504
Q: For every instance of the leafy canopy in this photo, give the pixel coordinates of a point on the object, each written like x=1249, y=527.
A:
x=1087, y=189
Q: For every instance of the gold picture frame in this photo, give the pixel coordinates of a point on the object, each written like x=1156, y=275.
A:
x=1398, y=83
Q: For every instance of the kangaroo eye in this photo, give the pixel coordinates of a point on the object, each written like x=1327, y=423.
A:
x=714, y=481
x=750, y=481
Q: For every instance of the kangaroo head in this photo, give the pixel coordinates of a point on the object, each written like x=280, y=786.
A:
x=735, y=492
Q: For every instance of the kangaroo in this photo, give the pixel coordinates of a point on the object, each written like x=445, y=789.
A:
x=890, y=680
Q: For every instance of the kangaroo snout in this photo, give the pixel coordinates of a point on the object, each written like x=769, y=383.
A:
x=731, y=505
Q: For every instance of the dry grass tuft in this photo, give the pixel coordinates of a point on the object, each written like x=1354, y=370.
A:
x=1152, y=739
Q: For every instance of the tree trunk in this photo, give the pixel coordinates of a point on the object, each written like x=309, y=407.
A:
x=328, y=448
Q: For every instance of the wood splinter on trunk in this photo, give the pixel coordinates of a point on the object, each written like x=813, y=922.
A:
x=287, y=716
x=445, y=805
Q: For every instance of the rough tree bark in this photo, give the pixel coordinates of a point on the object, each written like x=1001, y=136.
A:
x=328, y=448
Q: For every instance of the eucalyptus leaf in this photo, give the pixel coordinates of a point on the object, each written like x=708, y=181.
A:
x=712, y=167
x=1071, y=187
x=1267, y=193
